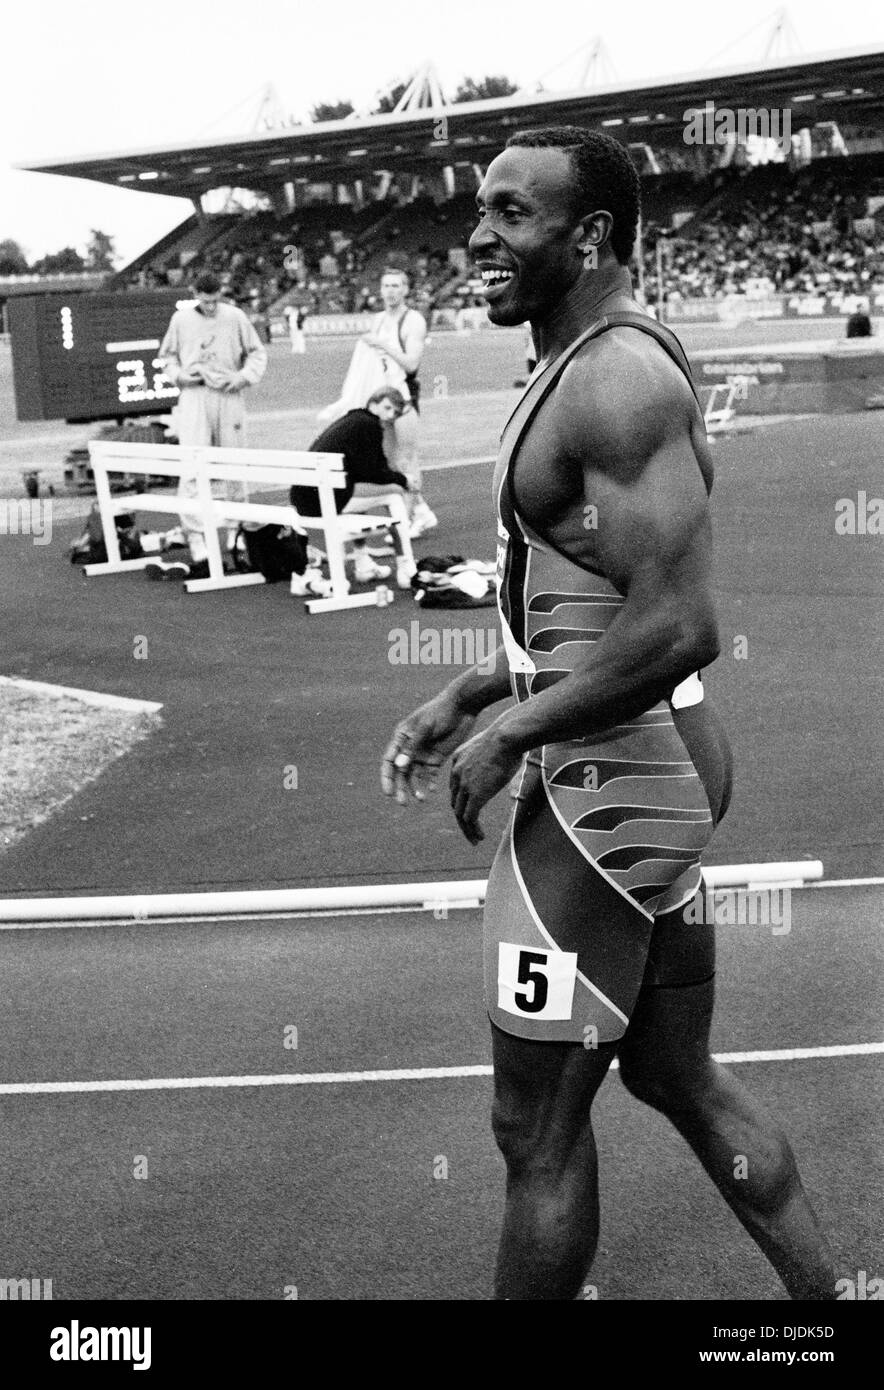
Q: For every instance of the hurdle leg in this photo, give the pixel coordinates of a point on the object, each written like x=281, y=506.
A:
x=334, y=543
x=228, y=581
x=331, y=605
x=113, y=564
x=211, y=518
x=120, y=566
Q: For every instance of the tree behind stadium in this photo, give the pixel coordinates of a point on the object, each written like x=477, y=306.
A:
x=485, y=89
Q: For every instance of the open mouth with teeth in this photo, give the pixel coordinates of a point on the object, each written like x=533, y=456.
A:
x=494, y=281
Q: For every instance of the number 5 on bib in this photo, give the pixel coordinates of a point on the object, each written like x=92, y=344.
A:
x=534, y=983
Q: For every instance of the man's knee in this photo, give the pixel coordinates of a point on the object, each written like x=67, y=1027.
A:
x=511, y=1133
x=672, y=1086
x=525, y=1149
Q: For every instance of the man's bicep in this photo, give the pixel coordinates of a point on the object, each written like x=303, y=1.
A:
x=414, y=336
x=654, y=526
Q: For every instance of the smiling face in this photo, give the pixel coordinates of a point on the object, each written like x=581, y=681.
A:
x=527, y=243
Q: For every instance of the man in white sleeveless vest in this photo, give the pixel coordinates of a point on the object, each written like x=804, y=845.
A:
x=398, y=334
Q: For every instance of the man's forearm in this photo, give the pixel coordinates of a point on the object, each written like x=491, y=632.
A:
x=482, y=685
x=612, y=687
x=396, y=356
x=401, y=359
x=377, y=475
x=254, y=366
x=172, y=369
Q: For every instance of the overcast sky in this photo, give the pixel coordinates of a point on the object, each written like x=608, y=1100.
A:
x=101, y=76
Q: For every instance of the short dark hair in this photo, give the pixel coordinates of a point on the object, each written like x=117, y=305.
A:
x=605, y=178
x=207, y=283
x=387, y=393
x=397, y=270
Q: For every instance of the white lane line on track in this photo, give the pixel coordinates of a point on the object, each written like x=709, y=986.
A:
x=337, y=1078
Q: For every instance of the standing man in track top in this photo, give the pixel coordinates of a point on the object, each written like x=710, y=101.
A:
x=621, y=766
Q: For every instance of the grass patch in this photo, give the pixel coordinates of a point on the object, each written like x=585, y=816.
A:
x=50, y=747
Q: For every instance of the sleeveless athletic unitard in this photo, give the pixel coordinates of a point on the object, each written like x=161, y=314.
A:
x=607, y=831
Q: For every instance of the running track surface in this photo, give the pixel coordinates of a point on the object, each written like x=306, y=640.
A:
x=331, y=1187
x=251, y=686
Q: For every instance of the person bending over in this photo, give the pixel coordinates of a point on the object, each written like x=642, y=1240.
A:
x=359, y=436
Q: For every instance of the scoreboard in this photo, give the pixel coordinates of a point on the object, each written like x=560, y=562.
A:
x=83, y=356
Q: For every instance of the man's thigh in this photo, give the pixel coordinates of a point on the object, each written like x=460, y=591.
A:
x=374, y=490
x=668, y=1034
x=682, y=947
x=543, y=1093
x=229, y=420
x=192, y=422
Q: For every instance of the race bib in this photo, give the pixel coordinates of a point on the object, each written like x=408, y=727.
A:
x=535, y=983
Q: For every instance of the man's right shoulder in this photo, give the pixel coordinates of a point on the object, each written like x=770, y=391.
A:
x=623, y=391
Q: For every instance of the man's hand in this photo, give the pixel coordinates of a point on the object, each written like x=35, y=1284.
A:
x=420, y=745
x=192, y=376
x=481, y=768
x=236, y=383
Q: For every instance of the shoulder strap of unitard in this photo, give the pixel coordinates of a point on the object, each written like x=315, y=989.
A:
x=534, y=397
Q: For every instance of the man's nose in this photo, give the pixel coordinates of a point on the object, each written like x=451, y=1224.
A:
x=481, y=239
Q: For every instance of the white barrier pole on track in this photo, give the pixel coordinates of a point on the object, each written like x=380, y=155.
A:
x=143, y=907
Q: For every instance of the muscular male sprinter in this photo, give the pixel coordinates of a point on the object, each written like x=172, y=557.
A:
x=602, y=494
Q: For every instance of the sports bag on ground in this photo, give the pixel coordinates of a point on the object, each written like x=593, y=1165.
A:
x=277, y=552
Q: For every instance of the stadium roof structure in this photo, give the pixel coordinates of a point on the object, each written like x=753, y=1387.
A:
x=846, y=87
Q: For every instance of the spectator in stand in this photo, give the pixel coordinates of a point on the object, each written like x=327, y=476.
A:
x=800, y=234
x=796, y=228
x=212, y=352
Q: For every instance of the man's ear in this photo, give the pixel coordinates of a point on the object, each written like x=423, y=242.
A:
x=595, y=232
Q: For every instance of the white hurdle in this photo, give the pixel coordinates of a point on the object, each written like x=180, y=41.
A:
x=718, y=418
x=275, y=468
x=435, y=897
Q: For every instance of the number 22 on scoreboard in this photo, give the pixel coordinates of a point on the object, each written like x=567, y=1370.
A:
x=536, y=983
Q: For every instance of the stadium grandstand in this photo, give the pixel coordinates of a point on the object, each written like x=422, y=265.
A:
x=309, y=214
